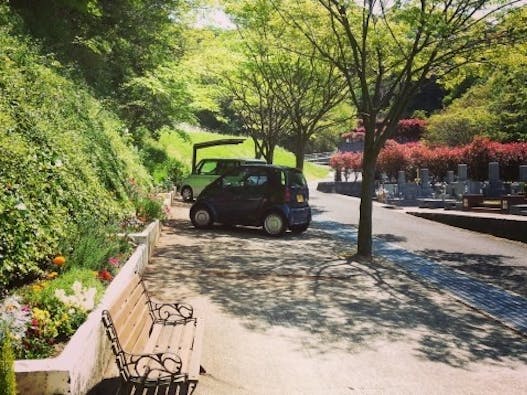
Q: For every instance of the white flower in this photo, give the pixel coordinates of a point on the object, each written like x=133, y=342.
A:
x=21, y=206
x=14, y=316
x=82, y=298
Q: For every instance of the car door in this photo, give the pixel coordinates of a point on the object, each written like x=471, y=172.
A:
x=251, y=195
x=224, y=195
x=206, y=172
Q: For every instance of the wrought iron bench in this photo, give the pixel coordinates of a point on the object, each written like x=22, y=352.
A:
x=155, y=344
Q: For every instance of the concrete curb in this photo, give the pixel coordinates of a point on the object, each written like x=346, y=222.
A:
x=500, y=227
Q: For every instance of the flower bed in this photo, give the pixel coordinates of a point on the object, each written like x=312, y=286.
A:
x=69, y=372
x=41, y=317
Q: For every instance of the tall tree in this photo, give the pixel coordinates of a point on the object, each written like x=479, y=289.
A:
x=386, y=50
x=258, y=107
x=109, y=41
x=307, y=88
x=309, y=91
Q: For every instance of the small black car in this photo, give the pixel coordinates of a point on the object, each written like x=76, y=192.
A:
x=274, y=197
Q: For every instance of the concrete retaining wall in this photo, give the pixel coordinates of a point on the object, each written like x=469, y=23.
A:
x=148, y=237
x=500, y=227
x=343, y=187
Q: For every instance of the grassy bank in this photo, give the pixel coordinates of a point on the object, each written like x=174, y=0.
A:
x=177, y=145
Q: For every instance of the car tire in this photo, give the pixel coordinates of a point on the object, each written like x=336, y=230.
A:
x=299, y=228
x=274, y=224
x=201, y=217
x=187, y=194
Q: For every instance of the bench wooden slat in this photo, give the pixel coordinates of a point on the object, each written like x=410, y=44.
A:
x=185, y=345
x=122, y=313
x=159, y=340
x=197, y=347
x=137, y=328
x=155, y=343
x=125, y=294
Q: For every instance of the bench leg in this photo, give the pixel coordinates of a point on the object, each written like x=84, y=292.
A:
x=124, y=388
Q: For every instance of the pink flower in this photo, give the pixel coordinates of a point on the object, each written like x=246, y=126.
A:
x=114, y=261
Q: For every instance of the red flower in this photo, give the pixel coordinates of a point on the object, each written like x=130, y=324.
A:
x=105, y=275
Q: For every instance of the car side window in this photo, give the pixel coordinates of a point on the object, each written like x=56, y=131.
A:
x=208, y=167
x=234, y=179
x=226, y=166
x=256, y=179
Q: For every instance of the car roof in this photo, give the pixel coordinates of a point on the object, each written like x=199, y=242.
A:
x=236, y=159
x=269, y=166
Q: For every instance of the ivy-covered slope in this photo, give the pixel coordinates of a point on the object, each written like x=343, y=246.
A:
x=63, y=160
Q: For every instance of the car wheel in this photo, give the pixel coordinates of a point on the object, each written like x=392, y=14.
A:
x=274, y=224
x=201, y=217
x=299, y=228
x=186, y=194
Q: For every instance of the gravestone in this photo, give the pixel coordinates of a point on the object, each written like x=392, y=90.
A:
x=450, y=176
x=523, y=173
x=425, y=189
x=495, y=185
x=457, y=188
x=401, y=177
x=475, y=187
x=462, y=172
x=494, y=171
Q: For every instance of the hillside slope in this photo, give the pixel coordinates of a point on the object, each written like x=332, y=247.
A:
x=179, y=145
x=64, y=160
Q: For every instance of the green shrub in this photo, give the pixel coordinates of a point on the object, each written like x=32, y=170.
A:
x=7, y=370
x=166, y=171
x=64, y=158
x=149, y=209
x=467, y=117
x=92, y=245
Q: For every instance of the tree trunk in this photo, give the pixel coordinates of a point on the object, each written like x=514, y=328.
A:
x=257, y=148
x=269, y=154
x=364, y=244
x=299, y=154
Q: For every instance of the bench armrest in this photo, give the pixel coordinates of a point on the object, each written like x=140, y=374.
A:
x=170, y=313
x=159, y=366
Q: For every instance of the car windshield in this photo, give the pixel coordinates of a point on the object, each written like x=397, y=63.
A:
x=296, y=179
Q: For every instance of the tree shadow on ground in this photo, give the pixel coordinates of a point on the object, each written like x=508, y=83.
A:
x=391, y=238
x=112, y=386
x=492, y=269
x=312, y=282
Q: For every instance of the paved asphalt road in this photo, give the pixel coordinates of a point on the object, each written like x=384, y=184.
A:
x=298, y=315
x=491, y=259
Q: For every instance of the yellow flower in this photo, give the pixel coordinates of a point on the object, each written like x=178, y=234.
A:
x=52, y=275
x=95, y=274
x=37, y=287
x=41, y=315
